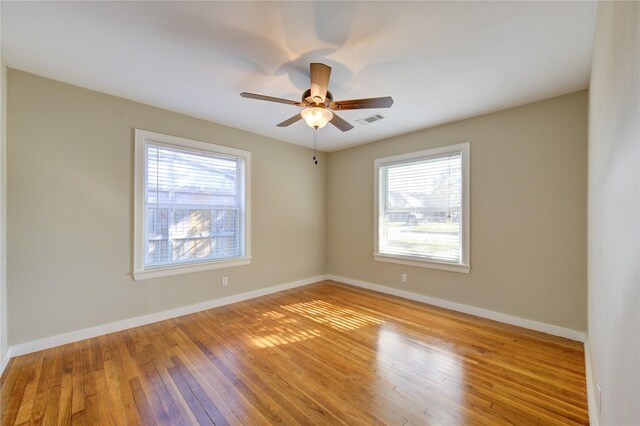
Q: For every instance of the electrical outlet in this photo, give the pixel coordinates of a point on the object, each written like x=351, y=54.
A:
x=404, y=278
x=225, y=281
x=599, y=400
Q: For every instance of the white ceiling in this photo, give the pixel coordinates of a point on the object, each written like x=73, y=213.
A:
x=441, y=61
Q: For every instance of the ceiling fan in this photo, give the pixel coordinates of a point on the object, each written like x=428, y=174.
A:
x=319, y=104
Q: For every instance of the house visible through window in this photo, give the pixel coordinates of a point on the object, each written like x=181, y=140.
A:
x=191, y=200
x=422, y=208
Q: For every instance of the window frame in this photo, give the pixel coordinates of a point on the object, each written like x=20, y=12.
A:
x=465, y=262
x=142, y=137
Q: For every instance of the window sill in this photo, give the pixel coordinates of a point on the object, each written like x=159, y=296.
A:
x=185, y=269
x=413, y=261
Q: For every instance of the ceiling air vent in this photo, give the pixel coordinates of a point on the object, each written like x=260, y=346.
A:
x=370, y=119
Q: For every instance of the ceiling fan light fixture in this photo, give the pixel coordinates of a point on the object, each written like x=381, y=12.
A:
x=316, y=117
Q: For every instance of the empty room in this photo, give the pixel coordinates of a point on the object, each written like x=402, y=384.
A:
x=320, y=213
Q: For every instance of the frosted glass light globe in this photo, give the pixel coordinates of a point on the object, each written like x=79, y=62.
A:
x=317, y=117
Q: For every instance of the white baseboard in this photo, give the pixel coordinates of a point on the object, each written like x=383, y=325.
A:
x=5, y=360
x=87, y=333
x=467, y=309
x=591, y=396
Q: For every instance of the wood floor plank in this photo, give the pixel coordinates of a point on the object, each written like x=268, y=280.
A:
x=66, y=387
x=26, y=404
x=230, y=401
x=119, y=379
x=145, y=411
x=294, y=392
x=199, y=402
x=77, y=385
x=45, y=385
x=326, y=353
x=250, y=389
x=19, y=387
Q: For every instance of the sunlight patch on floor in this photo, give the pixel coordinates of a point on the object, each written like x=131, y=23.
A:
x=338, y=318
x=273, y=328
x=283, y=336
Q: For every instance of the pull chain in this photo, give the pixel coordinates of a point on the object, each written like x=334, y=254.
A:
x=315, y=145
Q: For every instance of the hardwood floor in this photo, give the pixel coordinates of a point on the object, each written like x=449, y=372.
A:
x=326, y=353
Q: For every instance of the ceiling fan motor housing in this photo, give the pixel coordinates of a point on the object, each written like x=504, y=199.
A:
x=306, y=97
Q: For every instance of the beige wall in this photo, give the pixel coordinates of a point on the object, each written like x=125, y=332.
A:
x=70, y=154
x=528, y=212
x=614, y=212
x=3, y=208
x=70, y=210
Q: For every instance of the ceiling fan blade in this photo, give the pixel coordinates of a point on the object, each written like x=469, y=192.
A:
x=384, y=102
x=319, y=81
x=270, y=99
x=290, y=121
x=340, y=123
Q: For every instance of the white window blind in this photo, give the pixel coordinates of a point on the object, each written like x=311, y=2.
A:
x=191, y=206
x=421, y=213
x=194, y=205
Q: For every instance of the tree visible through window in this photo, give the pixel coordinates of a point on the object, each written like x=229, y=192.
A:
x=420, y=210
x=194, y=205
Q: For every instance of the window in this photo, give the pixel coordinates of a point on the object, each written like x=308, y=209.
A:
x=191, y=206
x=422, y=208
